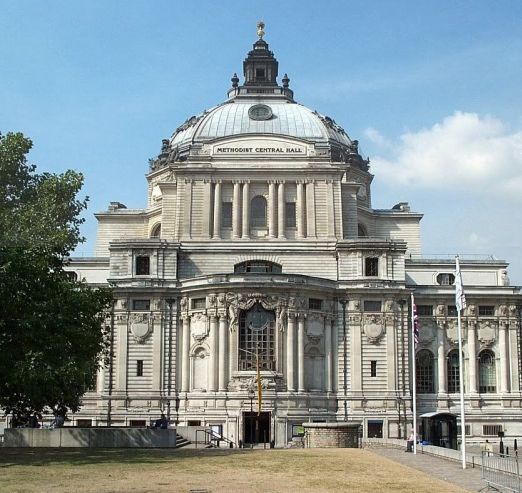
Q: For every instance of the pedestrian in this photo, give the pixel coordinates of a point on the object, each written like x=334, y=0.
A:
x=162, y=423
x=409, y=442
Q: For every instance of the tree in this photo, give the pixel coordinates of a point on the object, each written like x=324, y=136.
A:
x=53, y=334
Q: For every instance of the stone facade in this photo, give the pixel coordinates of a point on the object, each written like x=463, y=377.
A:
x=259, y=243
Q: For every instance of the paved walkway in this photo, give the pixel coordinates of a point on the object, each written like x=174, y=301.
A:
x=444, y=469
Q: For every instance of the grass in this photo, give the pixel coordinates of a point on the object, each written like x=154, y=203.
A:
x=153, y=470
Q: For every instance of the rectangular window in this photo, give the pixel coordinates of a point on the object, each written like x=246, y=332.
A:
x=142, y=265
x=226, y=214
x=424, y=310
x=468, y=430
x=491, y=430
x=260, y=74
x=372, y=306
x=371, y=266
x=315, y=304
x=137, y=423
x=373, y=368
x=193, y=422
x=290, y=215
x=139, y=368
x=452, y=311
x=486, y=310
x=84, y=423
x=141, y=305
x=199, y=303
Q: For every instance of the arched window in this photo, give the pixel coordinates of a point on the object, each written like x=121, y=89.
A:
x=487, y=372
x=258, y=212
x=453, y=372
x=424, y=372
x=156, y=231
x=361, y=231
x=256, y=337
x=259, y=266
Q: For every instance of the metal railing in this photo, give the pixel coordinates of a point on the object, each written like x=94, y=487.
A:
x=212, y=438
x=502, y=471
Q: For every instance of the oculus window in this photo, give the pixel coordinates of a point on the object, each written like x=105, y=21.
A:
x=256, y=339
x=446, y=279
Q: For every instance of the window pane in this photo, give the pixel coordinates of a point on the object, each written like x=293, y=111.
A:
x=290, y=215
x=486, y=310
x=453, y=372
x=372, y=306
x=142, y=266
x=487, y=373
x=141, y=304
x=424, y=310
x=446, y=279
x=226, y=217
x=199, y=303
x=371, y=266
x=256, y=336
x=258, y=212
x=314, y=304
x=424, y=372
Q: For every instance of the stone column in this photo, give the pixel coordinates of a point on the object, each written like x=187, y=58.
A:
x=281, y=211
x=290, y=353
x=246, y=210
x=310, y=209
x=328, y=353
x=331, y=209
x=207, y=197
x=223, y=333
x=353, y=334
x=271, y=209
x=236, y=210
x=185, y=350
x=232, y=357
x=122, y=356
x=300, y=353
x=504, y=357
x=441, y=359
x=472, y=350
x=213, y=343
x=300, y=210
x=217, y=211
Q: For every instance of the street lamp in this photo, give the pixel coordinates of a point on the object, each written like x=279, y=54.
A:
x=251, y=395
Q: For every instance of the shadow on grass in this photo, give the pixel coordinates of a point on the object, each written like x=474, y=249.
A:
x=10, y=457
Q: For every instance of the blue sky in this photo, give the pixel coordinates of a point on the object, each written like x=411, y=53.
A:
x=430, y=89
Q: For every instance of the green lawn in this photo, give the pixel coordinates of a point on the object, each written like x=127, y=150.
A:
x=151, y=470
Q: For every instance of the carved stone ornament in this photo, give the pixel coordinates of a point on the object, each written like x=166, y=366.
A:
x=388, y=305
x=245, y=302
x=199, y=326
x=314, y=339
x=487, y=333
x=452, y=332
x=315, y=325
x=373, y=328
x=141, y=325
x=441, y=309
x=503, y=309
x=472, y=309
x=427, y=331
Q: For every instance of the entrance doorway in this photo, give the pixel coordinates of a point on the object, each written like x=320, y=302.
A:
x=256, y=429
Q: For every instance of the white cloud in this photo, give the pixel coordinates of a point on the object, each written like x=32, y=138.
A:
x=464, y=151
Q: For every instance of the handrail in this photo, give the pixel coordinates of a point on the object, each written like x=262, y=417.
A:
x=212, y=436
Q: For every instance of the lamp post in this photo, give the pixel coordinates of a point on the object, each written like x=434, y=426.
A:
x=251, y=395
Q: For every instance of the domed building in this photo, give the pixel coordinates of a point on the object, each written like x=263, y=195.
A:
x=259, y=288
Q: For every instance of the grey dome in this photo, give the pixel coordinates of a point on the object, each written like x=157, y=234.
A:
x=232, y=118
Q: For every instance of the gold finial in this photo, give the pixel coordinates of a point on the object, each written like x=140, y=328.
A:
x=260, y=29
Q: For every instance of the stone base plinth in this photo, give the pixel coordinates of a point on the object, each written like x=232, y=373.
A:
x=331, y=435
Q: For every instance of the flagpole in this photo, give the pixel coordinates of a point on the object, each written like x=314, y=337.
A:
x=460, y=304
x=414, y=374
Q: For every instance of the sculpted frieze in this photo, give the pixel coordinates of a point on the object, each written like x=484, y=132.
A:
x=427, y=331
x=452, y=332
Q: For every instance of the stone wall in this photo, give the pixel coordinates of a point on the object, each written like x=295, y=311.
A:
x=332, y=435
x=90, y=437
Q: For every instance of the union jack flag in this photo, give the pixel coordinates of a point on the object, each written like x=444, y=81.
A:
x=415, y=323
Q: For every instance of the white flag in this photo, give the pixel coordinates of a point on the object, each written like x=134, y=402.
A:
x=460, y=298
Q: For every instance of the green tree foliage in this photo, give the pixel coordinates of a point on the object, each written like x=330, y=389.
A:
x=53, y=333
